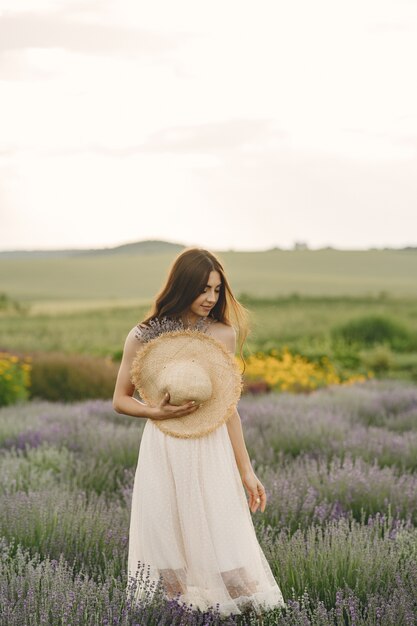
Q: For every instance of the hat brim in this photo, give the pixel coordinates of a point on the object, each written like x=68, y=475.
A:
x=221, y=365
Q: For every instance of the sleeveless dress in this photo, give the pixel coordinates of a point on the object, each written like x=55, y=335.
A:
x=191, y=525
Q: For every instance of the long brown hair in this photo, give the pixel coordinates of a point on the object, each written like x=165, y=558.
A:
x=187, y=279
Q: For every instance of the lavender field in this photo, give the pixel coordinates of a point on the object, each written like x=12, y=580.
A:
x=339, y=530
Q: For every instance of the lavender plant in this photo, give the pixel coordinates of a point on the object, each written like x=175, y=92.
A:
x=157, y=326
x=339, y=529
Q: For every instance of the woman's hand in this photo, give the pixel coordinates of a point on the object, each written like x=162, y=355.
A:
x=255, y=490
x=164, y=410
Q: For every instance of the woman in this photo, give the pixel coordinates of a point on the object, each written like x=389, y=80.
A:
x=190, y=524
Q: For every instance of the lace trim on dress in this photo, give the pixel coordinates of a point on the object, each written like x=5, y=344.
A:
x=241, y=591
x=237, y=582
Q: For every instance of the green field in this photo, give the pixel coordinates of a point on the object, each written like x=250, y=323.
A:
x=53, y=284
x=88, y=303
x=276, y=322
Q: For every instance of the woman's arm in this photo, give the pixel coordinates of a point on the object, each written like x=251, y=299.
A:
x=123, y=401
x=252, y=484
x=234, y=424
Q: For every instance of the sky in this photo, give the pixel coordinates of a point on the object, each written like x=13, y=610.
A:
x=225, y=124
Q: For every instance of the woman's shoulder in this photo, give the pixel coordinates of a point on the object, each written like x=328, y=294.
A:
x=222, y=329
x=220, y=324
x=225, y=333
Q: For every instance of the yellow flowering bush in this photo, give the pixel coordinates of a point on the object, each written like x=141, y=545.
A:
x=14, y=378
x=293, y=372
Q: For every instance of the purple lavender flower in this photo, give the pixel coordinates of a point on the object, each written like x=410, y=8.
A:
x=166, y=324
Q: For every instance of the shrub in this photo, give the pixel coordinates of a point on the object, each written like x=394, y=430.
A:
x=380, y=358
x=14, y=378
x=345, y=354
x=69, y=377
x=375, y=329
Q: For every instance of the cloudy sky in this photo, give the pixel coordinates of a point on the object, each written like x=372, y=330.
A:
x=224, y=124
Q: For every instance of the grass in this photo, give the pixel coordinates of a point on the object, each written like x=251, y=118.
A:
x=302, y=322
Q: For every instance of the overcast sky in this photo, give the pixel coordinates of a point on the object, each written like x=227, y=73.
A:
x=223, y=124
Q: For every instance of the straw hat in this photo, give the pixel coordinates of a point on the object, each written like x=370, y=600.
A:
x=190, y=365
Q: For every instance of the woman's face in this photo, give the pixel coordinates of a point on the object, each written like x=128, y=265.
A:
x=203, y=304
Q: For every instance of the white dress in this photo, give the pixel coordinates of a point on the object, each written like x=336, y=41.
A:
x=191, y=524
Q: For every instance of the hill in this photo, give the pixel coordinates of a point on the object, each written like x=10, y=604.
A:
x=150, y=246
